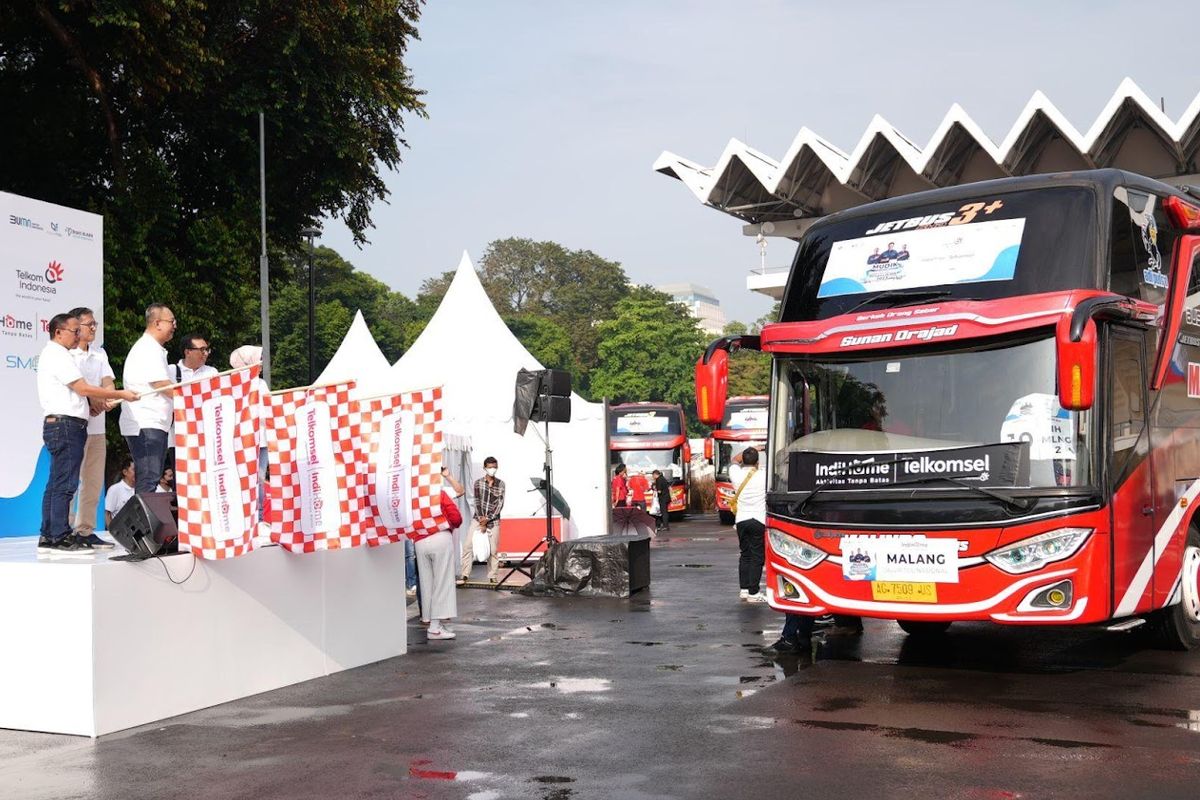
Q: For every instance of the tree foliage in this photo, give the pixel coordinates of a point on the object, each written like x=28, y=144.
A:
x=575, y=289
x=146, y=111
x=648, y=351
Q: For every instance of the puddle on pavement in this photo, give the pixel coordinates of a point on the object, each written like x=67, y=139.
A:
x=838, y=704
x=670, y=667
x=646, y=644
x=574, y=685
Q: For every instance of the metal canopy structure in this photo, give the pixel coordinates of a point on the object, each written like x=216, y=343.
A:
x=815, y=178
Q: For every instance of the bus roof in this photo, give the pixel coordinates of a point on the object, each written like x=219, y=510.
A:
x=1105, y=180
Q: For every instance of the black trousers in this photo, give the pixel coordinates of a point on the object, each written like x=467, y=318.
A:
x=750, y=564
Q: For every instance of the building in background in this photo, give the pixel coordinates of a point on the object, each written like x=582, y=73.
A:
x=780, y=199
x=701, y=303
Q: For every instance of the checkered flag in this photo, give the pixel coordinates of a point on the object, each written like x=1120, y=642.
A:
x=402, y=443
x=216, y=463
x=315, y=460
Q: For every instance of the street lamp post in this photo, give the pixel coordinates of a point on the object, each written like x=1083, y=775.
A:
x=311, y=233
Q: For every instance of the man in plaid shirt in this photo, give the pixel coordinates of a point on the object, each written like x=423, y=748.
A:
x=489, y=500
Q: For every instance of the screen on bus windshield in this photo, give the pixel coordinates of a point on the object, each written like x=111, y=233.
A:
x=985, y=247
x=645, y=422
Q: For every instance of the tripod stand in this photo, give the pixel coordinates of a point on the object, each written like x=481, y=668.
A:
x=548, y=485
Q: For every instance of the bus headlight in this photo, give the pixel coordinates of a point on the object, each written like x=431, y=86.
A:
x=1036, y=552
x=796, y=552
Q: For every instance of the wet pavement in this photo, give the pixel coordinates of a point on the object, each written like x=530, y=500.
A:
x=671, y=694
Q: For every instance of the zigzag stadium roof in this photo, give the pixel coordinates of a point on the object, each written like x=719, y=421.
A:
x=815, y=178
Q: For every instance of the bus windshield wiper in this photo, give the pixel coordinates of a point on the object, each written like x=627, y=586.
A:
x=1020, y=504
x=907, y=297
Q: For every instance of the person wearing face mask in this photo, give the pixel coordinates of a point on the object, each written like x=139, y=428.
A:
x=489, y=500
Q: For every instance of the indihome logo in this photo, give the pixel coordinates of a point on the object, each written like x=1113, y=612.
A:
x=21, y=327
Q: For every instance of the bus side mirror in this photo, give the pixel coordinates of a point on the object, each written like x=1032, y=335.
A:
x=687, y=453
x=1076, y=365
x=708, y=449
x=712, y=383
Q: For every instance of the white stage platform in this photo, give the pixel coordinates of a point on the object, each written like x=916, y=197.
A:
x=91, y=646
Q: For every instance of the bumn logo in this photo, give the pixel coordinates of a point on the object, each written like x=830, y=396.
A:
x=55, y=272
x=24, y=222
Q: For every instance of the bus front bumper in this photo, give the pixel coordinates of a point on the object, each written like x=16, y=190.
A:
x=1068, y=592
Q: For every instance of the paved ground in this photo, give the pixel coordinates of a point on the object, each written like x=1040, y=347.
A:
x=670, y=695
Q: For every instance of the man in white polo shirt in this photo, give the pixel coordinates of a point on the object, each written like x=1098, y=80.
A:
x=145, y=423
x=63, y=394
x=93, y=363
x=194, y=364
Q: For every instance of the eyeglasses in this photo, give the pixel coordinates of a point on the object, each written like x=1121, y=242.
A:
x=72, y=331
x=201, y=349
x=170, y=321
x=89, y=325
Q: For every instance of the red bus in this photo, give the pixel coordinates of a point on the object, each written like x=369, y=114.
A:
x=649, y=436
x=986, y=406
x=744, y=424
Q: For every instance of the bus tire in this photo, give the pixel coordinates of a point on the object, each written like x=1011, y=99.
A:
x=923, y=629
x=726, y=517
x=1177, y=627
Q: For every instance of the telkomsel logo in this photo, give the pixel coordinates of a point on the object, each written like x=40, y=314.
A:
x=23, y=222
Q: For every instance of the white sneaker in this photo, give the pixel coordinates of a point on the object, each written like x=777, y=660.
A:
x=743, y=594
x=756, y=598
x=440, y=633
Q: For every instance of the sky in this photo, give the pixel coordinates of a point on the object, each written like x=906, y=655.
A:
x=545, y=118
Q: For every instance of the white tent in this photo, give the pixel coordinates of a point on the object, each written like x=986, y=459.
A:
x=358, y=358
x=468, y=350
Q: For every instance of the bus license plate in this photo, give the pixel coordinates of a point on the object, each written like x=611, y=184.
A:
x=904, y=592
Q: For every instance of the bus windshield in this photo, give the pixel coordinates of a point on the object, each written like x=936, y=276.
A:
x=980, y=248
x=741, y=415
x=989, y=417
x=726, y=450
x=667, y=461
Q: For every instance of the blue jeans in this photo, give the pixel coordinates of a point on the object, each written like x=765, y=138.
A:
x=148, y=450
x=65, y=439
x=410, y=564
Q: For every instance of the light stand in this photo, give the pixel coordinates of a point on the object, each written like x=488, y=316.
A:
x=548, y=471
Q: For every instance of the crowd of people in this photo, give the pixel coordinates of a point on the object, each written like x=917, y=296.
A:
x=76, y=388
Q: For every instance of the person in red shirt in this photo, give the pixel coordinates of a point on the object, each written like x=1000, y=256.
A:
x=638, y=486
x=620, y=487
x=436, y=563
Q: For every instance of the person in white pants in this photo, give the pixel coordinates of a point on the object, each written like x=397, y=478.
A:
x=436, y=563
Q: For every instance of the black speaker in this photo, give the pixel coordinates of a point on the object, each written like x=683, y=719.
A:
x=147, y=525
x=548, y=408
x=555, y=382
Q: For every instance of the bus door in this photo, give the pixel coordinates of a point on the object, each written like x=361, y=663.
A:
x=1129, y=473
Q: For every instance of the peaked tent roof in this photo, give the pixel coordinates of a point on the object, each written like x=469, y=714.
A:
x=815, y=178
x=358, y=358
x=468, y=350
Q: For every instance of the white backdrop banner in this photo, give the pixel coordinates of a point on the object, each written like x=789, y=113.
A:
x=51, y=260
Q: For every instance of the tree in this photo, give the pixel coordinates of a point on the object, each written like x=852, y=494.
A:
x=648, y=351
x=544, y=338
x=146, y=111
x=749, y=372
x=577, y=289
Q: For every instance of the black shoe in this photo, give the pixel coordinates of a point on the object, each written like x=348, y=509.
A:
x=45, y=545
x=791, y=645
x=95, y=541
x=823, y=621
x=71, y=545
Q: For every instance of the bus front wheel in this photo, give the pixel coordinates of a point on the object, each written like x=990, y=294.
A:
x=1177, y=627
x=924, y=629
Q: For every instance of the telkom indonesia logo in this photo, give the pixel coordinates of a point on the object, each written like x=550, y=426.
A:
x=55, y=272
